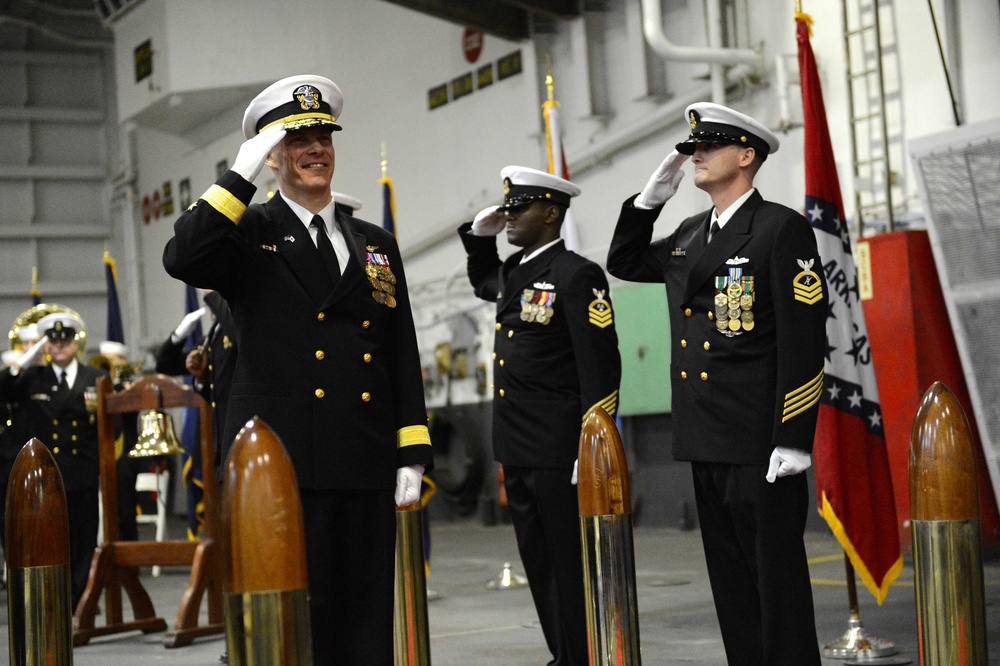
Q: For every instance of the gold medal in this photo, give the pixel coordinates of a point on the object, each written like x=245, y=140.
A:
x=524, y=316
x=379, y=297
x=734, y=289
x=733, y=313
x=720, y=299
x=748, y=326
x=549, y=312
x=390, y=300
x=721, y=324
x=746, y=301
x=746, y=317
x=734, y=324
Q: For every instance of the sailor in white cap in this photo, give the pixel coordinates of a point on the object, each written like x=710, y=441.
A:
x=555, y=354
x=344, y=392
x=346, y=202
x=747, y=304
x=53, y=408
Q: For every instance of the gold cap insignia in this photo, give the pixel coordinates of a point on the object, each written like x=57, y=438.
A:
x=308, y=97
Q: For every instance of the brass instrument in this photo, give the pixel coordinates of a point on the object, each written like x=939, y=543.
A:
x=119, y=371
x=32, y=316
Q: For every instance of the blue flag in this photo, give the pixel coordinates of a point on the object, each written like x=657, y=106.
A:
x=388, y=206
x=116, y=332
x=191, y=438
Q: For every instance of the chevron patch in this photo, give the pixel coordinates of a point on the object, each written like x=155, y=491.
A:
x=599, y=311
x=807, y=286
x=609, y=404
x=802, y=398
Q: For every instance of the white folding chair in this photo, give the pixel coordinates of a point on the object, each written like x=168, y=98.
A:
x=157, y=482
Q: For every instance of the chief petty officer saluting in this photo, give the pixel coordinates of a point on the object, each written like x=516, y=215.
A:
x=748, y=319
x=344, y=390
x=555, y=357
x=57, y=411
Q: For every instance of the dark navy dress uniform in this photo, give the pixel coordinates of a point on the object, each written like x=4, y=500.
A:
x=555, y=357
x=343, y=391
x=746, y=372
x=67, y=425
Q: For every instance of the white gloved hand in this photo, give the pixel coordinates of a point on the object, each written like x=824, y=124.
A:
x=786, y=462
x=576, y=464
x=663, y=183
x=28, y=357
x=489, y=222
x=408, y=484
x=187, y=325
x=253, y=152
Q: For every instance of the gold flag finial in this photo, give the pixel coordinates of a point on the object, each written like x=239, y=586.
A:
x=550, y=85
x=385, y=161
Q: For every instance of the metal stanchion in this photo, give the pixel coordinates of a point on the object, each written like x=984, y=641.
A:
x=412, y=642
x=947, y=551
x=608, y=553
x=267, y=603
x=39, y=601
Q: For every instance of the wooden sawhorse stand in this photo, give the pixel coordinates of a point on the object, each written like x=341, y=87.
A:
x=115, y=562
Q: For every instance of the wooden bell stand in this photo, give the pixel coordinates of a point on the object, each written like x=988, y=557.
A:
x=115, y=562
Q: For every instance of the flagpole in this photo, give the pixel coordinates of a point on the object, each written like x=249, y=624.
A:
x=854, y=643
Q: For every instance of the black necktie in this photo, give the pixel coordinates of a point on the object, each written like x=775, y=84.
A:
x=63, y=384
x=714, y=230
x=326, y=248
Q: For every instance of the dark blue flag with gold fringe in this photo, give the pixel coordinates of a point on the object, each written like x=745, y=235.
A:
x=190, y=438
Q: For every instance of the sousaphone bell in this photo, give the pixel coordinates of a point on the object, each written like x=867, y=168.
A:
x=156, y=433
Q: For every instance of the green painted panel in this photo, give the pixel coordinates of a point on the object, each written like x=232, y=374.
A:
x=644, y=343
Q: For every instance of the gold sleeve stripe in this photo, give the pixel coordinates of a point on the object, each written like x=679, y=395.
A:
x=223, y=201
x=411, y=435
x=609, y=404
x=803, y=398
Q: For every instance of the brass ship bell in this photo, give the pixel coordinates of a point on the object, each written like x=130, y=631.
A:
x=156, y=433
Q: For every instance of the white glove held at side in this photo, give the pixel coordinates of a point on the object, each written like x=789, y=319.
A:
x=408, y=484
x=187, y=325
x=576, y=465
x=489, y=222
x=28, y=357
x=253, y=152
x=786, y=462
x=663, y=183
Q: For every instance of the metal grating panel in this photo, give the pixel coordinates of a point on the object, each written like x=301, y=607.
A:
x=958, y=172
x=963, y=201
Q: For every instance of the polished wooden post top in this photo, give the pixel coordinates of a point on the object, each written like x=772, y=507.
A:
x=37, y=528
x=262, y=514
x=943, y=481
x=602, y=472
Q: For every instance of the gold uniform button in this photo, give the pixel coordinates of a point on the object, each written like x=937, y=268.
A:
x=213, y=404
x=320, y=393
x=498, y=326
x=73, y=423
x=501, y=363
x=493, y=356
x=365, y=324
x=684, y=374
x=210, y=368
x=711, y=316
x=321, y=316
x=502, y=393
x=707, y=345
x=684, y=344
x=74, y=452
x=492, y=386
x=55, y=435
x=320, y=355
x=366, y=396
x=55, y=449
x=368, y=358
x=687, y=312
x=510, y=334
x=73, y=438
x=704, y=376
x=55, y=421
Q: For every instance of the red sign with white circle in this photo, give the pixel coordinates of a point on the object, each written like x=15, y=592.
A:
x=472, y=44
